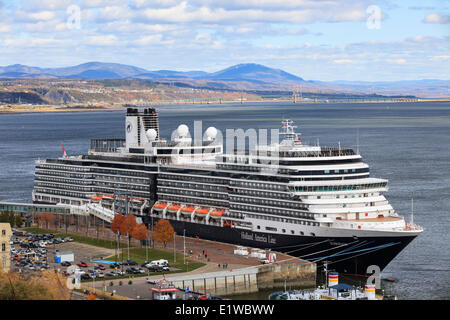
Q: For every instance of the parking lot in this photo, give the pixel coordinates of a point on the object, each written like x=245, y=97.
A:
x=32, y=253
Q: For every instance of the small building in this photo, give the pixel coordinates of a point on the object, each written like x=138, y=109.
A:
x=5, y=248
x=164, y=290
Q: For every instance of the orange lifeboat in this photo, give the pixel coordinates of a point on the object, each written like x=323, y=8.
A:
x=173, y=208
x=201, y=212
x=159, y=206
x=138, y=199
x=187, y=210
x=108, y=196
x=96, y=198
x=216, y=214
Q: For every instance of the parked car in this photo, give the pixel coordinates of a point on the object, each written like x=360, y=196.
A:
x=129, y=263
x=82, y=264
x=85, y=276
x=66, y=264
x=114, y=265
x=154, y=268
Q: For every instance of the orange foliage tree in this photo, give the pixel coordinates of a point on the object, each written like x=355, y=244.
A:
x=163, y=231
x=139, y=232
x=46, y=217
x=116, y=223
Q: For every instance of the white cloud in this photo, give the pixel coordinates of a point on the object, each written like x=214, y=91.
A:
x=340, y=61
x=43, y=5
x=104, y=40
x=102, y=3
x=437, y=18
x=4, y=28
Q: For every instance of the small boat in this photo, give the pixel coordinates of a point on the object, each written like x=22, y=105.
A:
x=173, y=208
x=159, y=206
x=187, y=210
x=216, y=214
x=201, y=212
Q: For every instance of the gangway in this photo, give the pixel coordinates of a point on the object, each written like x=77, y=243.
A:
x=100, y=212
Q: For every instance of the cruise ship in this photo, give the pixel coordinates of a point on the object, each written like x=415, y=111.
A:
x=314, y=202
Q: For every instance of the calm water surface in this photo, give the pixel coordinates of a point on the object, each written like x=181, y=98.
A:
x=407, y=143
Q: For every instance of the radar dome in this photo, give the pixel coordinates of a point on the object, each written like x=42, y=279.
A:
x=211, y=133
x=151, y=134
x=183, y=130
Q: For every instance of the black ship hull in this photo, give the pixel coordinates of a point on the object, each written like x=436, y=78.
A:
x=343, y=254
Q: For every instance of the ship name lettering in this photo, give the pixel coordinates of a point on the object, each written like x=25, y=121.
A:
x=246, y=235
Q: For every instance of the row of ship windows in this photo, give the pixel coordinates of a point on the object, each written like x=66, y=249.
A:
x=271, y=211
x=98, y=185
x=142, y=194
x=285, y=204
x=339, y=188
x=251, y=168
x=194, y=193
x=65, y=187
x=123, y=186
x=290, y=171
x=263, y=194
x=171, y=198
x=63, y=174
x=294, y=221
x=64, y=180
x=65, y=168
x=191, y=186
x=193, y=179
x=266, y=186
x=122, y=173
x=62, y=193
x=120, y=179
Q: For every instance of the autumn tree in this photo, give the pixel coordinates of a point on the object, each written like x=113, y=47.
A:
x=139, y=232
x=163, y=231
x=116, y=223
x=46, y=217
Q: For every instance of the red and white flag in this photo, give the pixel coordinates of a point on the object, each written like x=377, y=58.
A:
x=64, y=150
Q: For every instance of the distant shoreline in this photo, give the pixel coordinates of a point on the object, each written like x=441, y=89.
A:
x=47, y=109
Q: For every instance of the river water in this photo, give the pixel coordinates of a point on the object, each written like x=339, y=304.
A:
x=406, y=143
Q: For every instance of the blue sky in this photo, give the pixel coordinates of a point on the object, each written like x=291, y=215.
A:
x=367, y=40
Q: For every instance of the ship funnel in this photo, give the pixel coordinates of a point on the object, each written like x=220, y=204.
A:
x=333, y=279
x=369, y=289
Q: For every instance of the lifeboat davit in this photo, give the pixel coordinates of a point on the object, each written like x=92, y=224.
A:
x=201, y=212
x=216, y=214
x=187, y=210
x=173, y=208
x=159, y=206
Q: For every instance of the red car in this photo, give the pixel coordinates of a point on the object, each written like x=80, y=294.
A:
x=82, y=264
